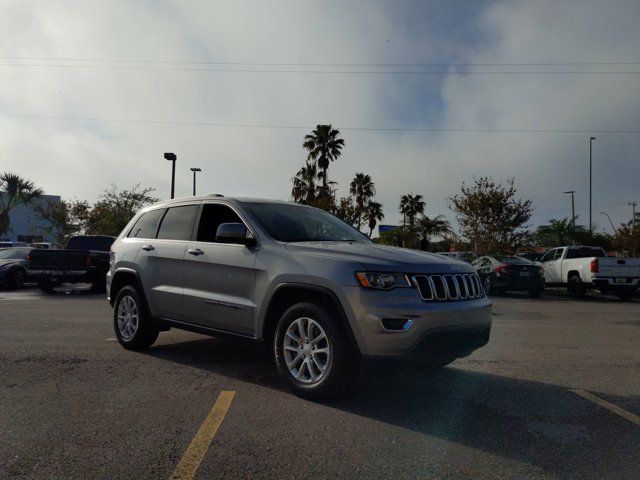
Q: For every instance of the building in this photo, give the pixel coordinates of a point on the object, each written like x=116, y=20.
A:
x=27, y=226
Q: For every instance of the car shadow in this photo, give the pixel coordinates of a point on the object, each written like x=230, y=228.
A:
x=543, y=425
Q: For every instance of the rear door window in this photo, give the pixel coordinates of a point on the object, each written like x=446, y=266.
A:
x=147, y=224
x=177, y=223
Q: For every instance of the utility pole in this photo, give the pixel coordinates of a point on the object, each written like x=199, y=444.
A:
x=573, y=209
x=172, y=158
x=591, y=139
x=195, y=170
x=633, y=218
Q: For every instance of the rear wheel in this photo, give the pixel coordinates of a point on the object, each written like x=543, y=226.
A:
x=576, y=287
x=626, y=294
x=535, y=292
x=132, y=324
x=18, y=278
x=312, y=351
x=47, y=286
x=486, y=283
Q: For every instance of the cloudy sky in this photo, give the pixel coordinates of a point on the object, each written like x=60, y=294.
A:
x=93, y=93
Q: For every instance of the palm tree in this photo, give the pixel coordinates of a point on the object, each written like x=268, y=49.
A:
x=324, y=147
x=305, y=189
x=14, y=191
x=362, y=188
x=373, y=215
x=410, y=207
x=559, y=232
x=429, y=227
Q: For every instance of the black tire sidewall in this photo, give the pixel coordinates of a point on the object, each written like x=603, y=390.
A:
x=146, y=333
x=342, y=359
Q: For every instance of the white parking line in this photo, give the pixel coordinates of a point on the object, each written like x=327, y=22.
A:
x=612, y=407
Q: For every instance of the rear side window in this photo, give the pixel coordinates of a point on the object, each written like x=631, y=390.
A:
x=147, y=224
x=583, y=252
x=177, y=223
x=211, y=218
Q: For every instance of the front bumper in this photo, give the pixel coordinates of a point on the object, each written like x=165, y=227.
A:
x=454, y=328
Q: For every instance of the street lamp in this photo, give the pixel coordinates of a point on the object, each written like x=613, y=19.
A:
x=172, y=158
x=591, y=139
x=607, y=215
x=195, y=170
x=573, y=209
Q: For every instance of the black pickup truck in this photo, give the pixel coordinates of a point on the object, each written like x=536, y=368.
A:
x=85, y=259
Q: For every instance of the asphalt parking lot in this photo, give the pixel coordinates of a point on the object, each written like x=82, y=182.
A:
x=555, y=394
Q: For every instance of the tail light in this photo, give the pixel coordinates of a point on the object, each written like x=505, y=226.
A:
x=29, y=257
x=595, y=266
x=501, y=269
x=87, y=260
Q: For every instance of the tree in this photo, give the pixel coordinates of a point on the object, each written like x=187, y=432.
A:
x=362, y=188
x=627, y=239
x=430, y=227
x=410, y=207
x=559, y=232
x=490, y=215
x=305, y=190
x=65, y=218
x=324, y=147
x=346, y=210
x=114, y=208
x=373, y=215
x=14, y=191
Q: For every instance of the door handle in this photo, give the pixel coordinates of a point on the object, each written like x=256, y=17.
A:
x=195, y=251
x=148, y=248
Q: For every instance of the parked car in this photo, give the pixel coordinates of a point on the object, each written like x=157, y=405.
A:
x=531, y=256
x=85, y=259
x=13, y=266
x=316, y=290
x=581, y=268
x=44, y=245
x=505, y=273
x=8, y=244
x=462, y=256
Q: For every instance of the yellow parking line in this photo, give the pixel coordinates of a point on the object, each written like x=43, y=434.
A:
x=192, y=458
x=609, y=406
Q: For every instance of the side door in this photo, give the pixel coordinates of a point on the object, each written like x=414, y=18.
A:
x=551, y=262
x=219, y=281
x=160, y=261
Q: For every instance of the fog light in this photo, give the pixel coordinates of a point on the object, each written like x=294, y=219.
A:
x=396, y=324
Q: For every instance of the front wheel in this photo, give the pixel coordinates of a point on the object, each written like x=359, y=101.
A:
x=312, y=352
x=132, y=324
x=47, y=286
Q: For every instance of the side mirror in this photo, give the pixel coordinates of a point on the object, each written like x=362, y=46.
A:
x=234, y=233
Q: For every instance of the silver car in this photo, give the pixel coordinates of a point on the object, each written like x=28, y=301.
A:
x=318, y=291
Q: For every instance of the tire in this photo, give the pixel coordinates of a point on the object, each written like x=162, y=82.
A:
x=626, y=294
x=132, y=324
x=535, y=292
x=332, y=370
x=486, y=284
x=18, y=278
x=576, y=287
x=99, y=286
x=47, y=286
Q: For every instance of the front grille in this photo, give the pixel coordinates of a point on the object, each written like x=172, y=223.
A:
x=448, y=287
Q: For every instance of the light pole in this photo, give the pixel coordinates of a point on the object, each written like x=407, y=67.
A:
x=195, y=170
x=633, y=218
x=607, y=215
x=573, y=209
x=172, y=158
x=591, y=139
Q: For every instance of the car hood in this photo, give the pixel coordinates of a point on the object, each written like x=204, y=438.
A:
x=381, y=257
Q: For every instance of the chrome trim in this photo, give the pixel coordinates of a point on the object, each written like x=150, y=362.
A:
x=472, y=287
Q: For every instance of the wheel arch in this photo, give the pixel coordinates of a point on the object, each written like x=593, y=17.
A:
x=287, y=294
x=121, y=278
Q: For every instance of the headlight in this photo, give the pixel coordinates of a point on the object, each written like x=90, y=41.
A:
x=382, y=280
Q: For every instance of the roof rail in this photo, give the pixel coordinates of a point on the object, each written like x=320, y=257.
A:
x=215, y=195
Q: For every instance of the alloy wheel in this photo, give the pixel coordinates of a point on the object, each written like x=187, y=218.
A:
x=306, y=351
x=128, y=318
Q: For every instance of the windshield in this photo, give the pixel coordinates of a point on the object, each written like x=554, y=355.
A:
x=14, y=253
x=296, y=223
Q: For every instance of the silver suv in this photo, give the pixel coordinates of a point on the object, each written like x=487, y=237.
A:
x=316, y=290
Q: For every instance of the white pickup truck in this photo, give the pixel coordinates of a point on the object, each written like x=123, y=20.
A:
x=583, y=268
